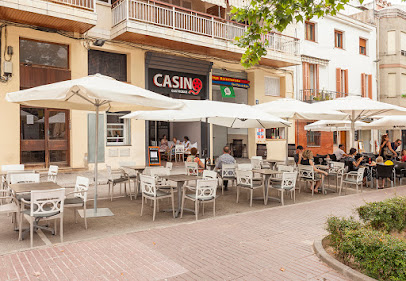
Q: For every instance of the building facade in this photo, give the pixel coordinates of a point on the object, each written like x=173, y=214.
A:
x=155, y=45
x=338, y=56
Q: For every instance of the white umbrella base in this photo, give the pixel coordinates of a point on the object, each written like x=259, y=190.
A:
x=100, y=212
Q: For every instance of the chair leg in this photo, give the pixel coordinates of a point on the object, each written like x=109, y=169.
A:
x=111, y=192
x=32, y=233
x=173, y=203
x=20, y=225
x=74, y=215
x=142, y=204
x=55, y=228
x=183, y=204
x=61, y=228
x=214, y=207
x=197, y=209
x=238, y=193
x=294, y=196
x=153, y=215
x=84, y=215
x=129, y=189
x=251, y=195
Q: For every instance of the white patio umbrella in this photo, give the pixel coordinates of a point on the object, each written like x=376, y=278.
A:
x=93, y=93
x=358, y=108
x=388, y=123
x=294, y=109
x=334, y=125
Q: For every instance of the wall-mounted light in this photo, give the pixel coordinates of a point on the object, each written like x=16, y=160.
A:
x=99, y=42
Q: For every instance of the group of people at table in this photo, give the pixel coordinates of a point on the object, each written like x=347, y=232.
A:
x=388, y=152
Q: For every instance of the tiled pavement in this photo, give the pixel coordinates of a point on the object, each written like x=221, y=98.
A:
x=272, y=244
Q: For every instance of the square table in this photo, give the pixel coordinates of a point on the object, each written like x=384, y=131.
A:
x=28, y=187
x=267, y=173
x=180, y=181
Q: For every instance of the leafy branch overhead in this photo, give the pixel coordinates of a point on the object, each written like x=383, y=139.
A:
x=265, y=16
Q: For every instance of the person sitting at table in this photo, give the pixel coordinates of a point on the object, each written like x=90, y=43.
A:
x=357, y=164
x=298, y=154
x=225, y=158
x=403, y=155
x=187, y=144
x=307, y=159
x=164, y=144
x=193, y=158
x=339, y=152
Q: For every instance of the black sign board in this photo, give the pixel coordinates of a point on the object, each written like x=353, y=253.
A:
x=171, y=82
x=154, y=158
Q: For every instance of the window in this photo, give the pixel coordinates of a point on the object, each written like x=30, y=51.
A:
x=313, y=138
x=335, y=138
x=391, y=42
x=118, y=130
x=366, y=85
x=363, y=46
x=403, y=85
x=391, y=92
x=338, y=39
x=275, y=133
x=310, y=31
x=272, y=86
x=403, y=41
x=43, y=53
x=110, y=64
x=341, y=81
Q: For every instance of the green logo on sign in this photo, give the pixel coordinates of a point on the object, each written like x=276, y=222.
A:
x=227, y=92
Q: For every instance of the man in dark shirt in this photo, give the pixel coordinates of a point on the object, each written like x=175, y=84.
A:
x=298, y=154
x=396, y=144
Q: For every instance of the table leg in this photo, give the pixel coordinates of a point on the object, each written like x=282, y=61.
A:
x=180, y=192
x=266, y=184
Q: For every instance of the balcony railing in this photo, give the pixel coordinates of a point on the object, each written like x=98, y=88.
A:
x=177, y=18
x=82, y=4
x=313, y=95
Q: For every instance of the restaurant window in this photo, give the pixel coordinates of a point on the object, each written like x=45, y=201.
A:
x=272, y=86
x=44, y=53
x=275, y=133
x=363, y=46
x=109, y=64
x=338, y=39
x=118, y=129
x=335, y=138
x=313, y=138
x=310, y=31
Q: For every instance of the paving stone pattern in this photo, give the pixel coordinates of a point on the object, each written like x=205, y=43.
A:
x=271, y=244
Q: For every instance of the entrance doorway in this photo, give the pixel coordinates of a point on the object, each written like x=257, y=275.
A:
x=44, y=136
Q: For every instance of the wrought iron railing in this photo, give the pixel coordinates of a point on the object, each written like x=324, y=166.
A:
x=314, y=95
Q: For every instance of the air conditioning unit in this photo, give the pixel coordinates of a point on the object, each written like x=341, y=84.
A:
x=403, y=52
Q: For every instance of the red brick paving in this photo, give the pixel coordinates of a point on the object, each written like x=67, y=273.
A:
x=272, y=244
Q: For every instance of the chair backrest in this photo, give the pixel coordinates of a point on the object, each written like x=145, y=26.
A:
x=384, y=171
x=156, y=172
x=148, y=185
x=244, y=177
x=244, y=167
x=81, y=188
x=206, y=189
x=14, y=167
x=24, y=178
x=256, y=163
x=360, y=174
x=46, y=203
x=169, y=165
x=333, y=157
x=306, y=172
x=192, y=168
x=400, y=167
x=289, y=180
x=285, y=168
x=179, y=149
x=337, y=167
x=207, y=174
x=9, y=173
x=52, y=173
x=228, y=170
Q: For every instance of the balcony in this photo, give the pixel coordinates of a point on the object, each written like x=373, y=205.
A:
x=69, y=15
x=312, y=95
x=163, y=25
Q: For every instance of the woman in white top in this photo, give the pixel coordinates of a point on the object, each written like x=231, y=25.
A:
x=187, y=143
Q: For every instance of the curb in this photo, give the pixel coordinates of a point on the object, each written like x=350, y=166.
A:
x=335, y=264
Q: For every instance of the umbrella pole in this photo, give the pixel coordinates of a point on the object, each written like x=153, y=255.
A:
x=208, y=142
x=353, y=130
x=96, y=150
x=287, y=144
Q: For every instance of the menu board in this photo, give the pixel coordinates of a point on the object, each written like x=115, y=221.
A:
x=154, y=158
x=260, y=135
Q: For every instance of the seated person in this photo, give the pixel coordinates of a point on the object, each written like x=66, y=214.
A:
x=379, y=161
x=403, y=155
x=351, y=158
x=187, y=144
x=298, y=154
x=164, y=144
x=339, y=152
x=193, y=158
x=225, y=158
x=307, y=159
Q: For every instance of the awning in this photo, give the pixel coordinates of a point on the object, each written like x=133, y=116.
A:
x=314, y=60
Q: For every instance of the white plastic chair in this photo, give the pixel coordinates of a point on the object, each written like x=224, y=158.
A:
x=131, y=174
x=288, y=183
x=10, y=206
x=245, y=180
x=150, y=191
x=354, y=177
x=256, y=162
x=307, y=174
x=192, y=168
x=179, y=152
x=205, y=192
x=112, y=182
x=79, y=197
x=52, y=173
x=24, y=178
x=44, y=205
x=337, y=170
x=207, y=174
x=228, y=174
x=10, y=168
x=169, y=165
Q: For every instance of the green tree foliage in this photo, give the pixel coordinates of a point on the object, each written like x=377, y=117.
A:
x=265, y=16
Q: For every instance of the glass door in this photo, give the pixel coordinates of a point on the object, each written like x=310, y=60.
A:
x=44, y=136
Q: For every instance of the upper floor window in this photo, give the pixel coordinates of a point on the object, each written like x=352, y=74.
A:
x=363, y=46
x=366, y=85
x=310, y=31
x=43, y=53
x=272, y=86
x=338, y=39
x=109, y=64
x=391, y=42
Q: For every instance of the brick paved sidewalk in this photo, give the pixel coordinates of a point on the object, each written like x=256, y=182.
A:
x=271, y=244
